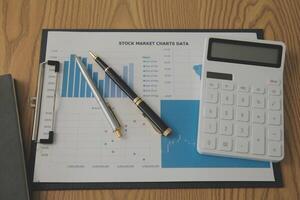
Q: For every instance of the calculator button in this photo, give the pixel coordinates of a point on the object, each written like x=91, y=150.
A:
x=227, y=85
x=242, y=129
x=209, y=142
x=274, y=82
x=211, y=96
x=274, y=103
x=210, y=111
x=258, y=90
x=258, y=101
x=210, y=126
x=226, y=127
x=227, y=98
x=225, y=143
x=258, y=139
x=227, y=112
x=258, y=116
x=274, y=91
x=243, y=88
x=212, y=84
x=274, y=133
x=241, y=145
x=243, y=100
x=274, y=118
x=242, y=114
x=275, y=149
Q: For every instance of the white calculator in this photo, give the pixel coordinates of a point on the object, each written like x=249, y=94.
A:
x=241, y=112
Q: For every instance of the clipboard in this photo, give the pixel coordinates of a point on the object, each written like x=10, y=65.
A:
x=36, y=104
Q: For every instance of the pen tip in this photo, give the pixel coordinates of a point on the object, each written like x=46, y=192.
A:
x=167, y=132
x=118, y=132
x=92, y=54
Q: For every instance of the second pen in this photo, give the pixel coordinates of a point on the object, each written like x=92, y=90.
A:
x=105, y=108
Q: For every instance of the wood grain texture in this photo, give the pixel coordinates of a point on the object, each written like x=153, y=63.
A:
x=21, y=22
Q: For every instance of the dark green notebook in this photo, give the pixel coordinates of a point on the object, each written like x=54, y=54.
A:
x=13, y=181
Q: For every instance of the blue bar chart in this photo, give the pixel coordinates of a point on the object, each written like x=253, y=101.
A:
x=74, y=84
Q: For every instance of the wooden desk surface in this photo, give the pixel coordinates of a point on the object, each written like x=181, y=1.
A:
x=20, y=35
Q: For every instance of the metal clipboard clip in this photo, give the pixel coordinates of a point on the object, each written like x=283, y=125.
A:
x=35, y=102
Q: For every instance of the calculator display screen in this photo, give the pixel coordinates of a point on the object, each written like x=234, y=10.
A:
x=268, y=55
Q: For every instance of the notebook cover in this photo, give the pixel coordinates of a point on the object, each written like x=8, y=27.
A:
x=13, y=181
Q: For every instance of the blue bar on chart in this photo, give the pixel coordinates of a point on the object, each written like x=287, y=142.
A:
x=77, y=81
x=65, y=79
x=83, y=82
x=106, y=86
x=112, y=89
x=101, y=86
x=71, y=76
x=75, y=85
x=95, y=79
x=88, y=89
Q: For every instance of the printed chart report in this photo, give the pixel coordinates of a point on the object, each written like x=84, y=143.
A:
x=165, y=70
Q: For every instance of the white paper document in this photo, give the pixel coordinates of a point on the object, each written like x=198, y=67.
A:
x=164, y=68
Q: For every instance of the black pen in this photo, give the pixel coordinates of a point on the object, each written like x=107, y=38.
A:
x=154, y=119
